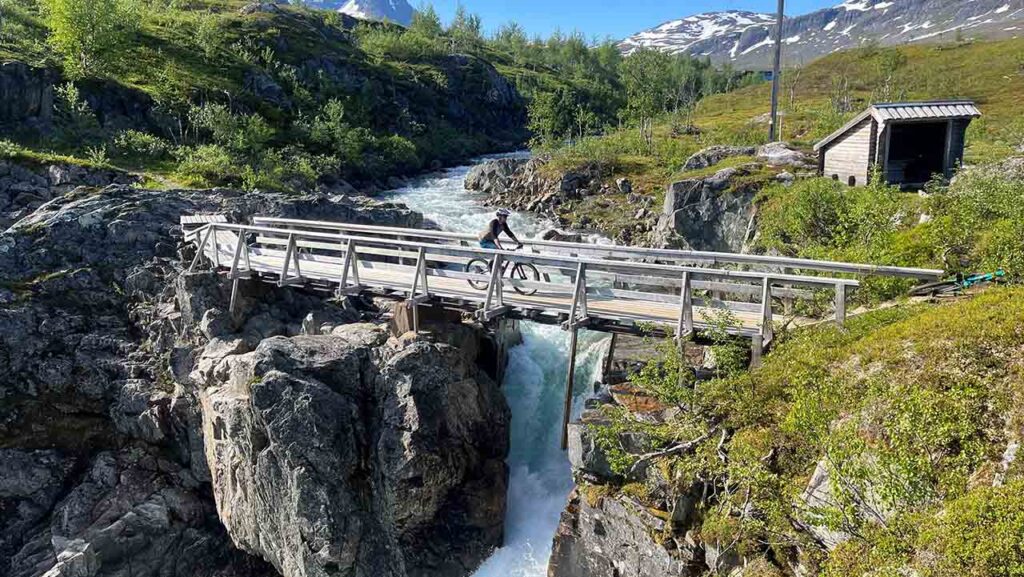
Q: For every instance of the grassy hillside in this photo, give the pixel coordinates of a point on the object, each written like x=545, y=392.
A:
x=821, y=97
x=816, y=100
x=281, y=98
x=909, y=411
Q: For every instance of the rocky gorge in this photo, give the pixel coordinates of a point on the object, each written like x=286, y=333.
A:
x=146, y=431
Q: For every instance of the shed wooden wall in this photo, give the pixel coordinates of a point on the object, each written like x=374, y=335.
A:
x=850, y=154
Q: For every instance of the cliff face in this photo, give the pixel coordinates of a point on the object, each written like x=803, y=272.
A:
x=344, y=454
x=333, y=450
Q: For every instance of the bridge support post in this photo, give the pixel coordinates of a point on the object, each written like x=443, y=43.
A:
x=840, y=304
x=349, y=268
x=569, y=386
x=767, y=330
x=291, y=259
x=609, y=360
x=685, y=325
x=788, y=303
x=234, y=297
x=419, y=276
x=578, y=310
x=216, y=248
x=235, y=274
x=756, y=351
x=202, y=247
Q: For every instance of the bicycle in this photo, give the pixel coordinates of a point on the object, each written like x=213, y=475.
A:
x=957, y=284
x=519, y=271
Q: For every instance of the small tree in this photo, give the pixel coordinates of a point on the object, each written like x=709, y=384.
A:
x=554, y=115
x=465, y=30
x=512, y=38
x=426, y=22
x=89, y=33
x=647, y=77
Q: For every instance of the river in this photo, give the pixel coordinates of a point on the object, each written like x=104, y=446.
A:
x=540, y=476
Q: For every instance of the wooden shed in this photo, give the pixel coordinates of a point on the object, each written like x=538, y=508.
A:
x=909, y=141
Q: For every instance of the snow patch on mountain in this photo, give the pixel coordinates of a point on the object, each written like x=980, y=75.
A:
x=745, y=39
x=397, y=11
x=680, y=35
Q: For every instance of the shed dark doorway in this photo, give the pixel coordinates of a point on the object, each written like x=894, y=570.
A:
x=917, y=151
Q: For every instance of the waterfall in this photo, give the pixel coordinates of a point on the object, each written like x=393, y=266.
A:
x=540, y=476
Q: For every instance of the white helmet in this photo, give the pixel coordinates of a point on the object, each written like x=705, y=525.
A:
x=503, y=212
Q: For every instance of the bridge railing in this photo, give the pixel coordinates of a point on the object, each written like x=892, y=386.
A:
x=590, y=250
x=420, y=271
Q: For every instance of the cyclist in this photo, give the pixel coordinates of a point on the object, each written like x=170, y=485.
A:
x=498, y=225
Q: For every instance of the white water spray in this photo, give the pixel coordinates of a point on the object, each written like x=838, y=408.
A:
x=540, y=479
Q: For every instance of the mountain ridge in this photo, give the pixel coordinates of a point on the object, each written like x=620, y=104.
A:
x=744, y=39
x=397, y=11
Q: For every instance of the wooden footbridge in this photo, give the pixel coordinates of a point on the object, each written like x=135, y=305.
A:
x=605, y=288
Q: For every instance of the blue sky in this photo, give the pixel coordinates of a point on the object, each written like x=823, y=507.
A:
x=601, y=18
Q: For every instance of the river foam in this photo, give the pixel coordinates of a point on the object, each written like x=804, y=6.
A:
x=540, y=477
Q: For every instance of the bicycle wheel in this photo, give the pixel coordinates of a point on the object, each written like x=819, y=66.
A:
x=478, y=266
x=525, y=271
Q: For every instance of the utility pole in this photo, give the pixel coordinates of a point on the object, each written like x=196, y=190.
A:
x=776, y=73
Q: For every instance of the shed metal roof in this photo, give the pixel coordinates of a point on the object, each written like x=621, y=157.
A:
x=908, y=112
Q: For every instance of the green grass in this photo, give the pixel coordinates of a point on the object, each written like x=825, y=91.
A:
x=916, y=72
x=988, y=72
x=204, y=51
x=912, y=404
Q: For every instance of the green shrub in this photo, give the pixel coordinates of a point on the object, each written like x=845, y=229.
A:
x=330, y=128
x=980, y=534
x=398, y=44
x=284, y=170
x=810, y=213
x=9, y=149
x=207, y=33
x=97, y=155
x=136, y=144
x=247, y=134
x=78, y=123
x=207, y=164
x=977, y=221
x=393, y=155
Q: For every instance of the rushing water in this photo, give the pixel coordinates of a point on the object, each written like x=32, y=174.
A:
x=534, y=385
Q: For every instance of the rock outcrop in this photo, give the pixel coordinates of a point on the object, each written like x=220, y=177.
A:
x=522, y=184
x=607, y=532
x=343, y=455
x=782, y=154
x=714, y=154
x=24, y=189
x=710, y=213
x=125, y=512
x=106, y=347
x=610, y=536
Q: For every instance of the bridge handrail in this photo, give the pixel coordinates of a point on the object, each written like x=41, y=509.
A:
x=562, y=262
x=635, y=252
